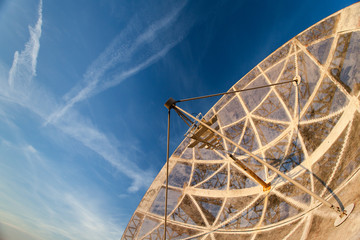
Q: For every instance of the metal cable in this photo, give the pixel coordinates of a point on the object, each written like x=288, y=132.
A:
x=167, y=174
x=187, y=120
x=184, y=117
x=231, y=92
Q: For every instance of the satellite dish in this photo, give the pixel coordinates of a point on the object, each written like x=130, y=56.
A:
x=301, y=118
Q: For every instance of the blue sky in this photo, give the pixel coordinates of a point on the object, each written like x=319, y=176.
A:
x=82, y=88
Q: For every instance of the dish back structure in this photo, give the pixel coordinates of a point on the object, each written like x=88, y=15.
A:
x=309, y=131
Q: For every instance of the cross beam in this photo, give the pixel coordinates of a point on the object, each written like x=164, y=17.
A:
x=208, y=139
x=326, y=203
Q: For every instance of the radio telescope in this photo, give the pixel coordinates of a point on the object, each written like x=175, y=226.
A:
x=301, y=117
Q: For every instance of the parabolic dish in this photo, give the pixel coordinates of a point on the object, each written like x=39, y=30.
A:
x=309, y=131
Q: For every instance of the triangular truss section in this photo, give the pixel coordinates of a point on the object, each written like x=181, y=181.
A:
x=187, y=154
x=235, y=206
x=158, y=205
x=173, y=232
x=255, y=166
x=328, y=164
x=288, y=91
x=210, y=207
x=180, y=174
x=275, y=57
x=295, y=155
x=321, y=30
x=148, y=225
x=274, y=72
x=231, y=113
x=243, y=82
x=218, y=181
x=327, y=100
x=276, y=154
x=134, y=226
x=254, y=97
x=188, y=213
x=308, y=130
x=314, y=133
x=277, y=210
x=292, y=194
x=344, y=65
x=268, y=131
x=249, y=141
x=234, y=132
x=238, y=180
x=203, y=171
x=272, y=109
x=284, y=232
x=310, y=74
x=321, y=50
x=249, y=217
x=179, y=151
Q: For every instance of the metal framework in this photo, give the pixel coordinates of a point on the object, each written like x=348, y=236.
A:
x=308, y=132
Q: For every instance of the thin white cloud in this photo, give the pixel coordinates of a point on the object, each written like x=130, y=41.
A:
x=13, y=69
x=129, y=72
x=18, y=88
x=122, y=50
x=82, y=130
x=50, y=207
x=24, y=64
x=28, y=94
x=64, y=211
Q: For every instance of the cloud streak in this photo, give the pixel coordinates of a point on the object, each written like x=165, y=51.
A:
x=124, y=53
x=48, y=207
x=24, y=64
x=21, y=90
x=82, y=130
x=123, y=58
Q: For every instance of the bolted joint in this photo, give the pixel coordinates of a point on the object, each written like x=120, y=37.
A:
x=267, y=187
x=170, y=103
x=297, y=79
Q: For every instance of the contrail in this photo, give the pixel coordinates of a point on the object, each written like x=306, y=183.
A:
x=122, y=50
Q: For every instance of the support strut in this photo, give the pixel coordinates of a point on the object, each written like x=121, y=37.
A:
x=171, y=104
x=167, y=173
x=343, y=214
x=266, y=186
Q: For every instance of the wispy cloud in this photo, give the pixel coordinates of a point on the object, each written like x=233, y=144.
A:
x=82, y=130
x=24, y=64
x=129, y=56
x=21, y=90
x=50, y=207
x=124, y=53
x=129, y=72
